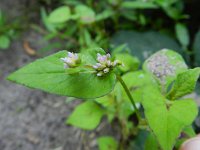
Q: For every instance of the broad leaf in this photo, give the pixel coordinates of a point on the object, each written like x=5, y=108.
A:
x=143, y=44
x=130, y=63
x=60, y=15
x=85, y=14
x=114, y=100
x=48, y=74
x=167, y=119
x=164, y=66
x=107, y=100
x=185, y=83
x=86, y=116
x=107, y=143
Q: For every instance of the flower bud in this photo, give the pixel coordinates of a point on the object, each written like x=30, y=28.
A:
x=71, y=61
x=104, y=64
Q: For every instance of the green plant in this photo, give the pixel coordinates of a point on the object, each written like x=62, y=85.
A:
x=109, y=90
x=7, y=31
x=86, y=24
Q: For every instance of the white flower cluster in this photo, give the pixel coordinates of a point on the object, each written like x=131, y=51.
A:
x=104, y=64
x=71, y=61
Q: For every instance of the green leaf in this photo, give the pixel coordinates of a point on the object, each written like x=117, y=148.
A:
x=51, y=27
x=107, y=143
x=4, y=42
x=116, y=99
x=48, y=74
x=60, y=15
x=86, y=116
x=185, y=83
x=151, y=143
x=87, y=37
x=165, y=3
x=130, y=63
x=173, y=12
x=135, y=81
x=196, y=47
x=182, y=34
x=107, y=100
x=143, y=44
x=167, y=119
x=120, y=49
x=138, y=5
x=85, y=14
x=105, y=14
x=164, y=66
x=129, y=14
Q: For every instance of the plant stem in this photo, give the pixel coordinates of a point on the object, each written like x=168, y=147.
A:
x=129, y=95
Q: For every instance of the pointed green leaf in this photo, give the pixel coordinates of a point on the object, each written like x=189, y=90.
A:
x=139, y=5
x=107, y=143
x=185, y=83
x=48, y=74
x=60, y=15
x=85, y=14
x=167, y=120
x=105, y=14
x=86, y=116
x=50, y=27
x=182, y=34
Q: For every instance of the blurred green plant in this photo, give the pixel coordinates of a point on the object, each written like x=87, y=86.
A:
x=85, y=24
x=7, y=31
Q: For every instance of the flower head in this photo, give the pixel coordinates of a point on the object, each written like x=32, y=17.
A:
x=71, y=61
x=104, y=64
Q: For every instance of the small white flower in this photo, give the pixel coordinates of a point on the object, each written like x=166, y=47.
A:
x=104, y=64
x=95, y=66
x=106, y=70
x=65, y=66
x=72, y=60
x=99, y=74
x=101, y=58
